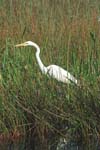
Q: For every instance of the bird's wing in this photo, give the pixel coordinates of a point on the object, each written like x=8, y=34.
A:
x=60, y=74
x=69, y=76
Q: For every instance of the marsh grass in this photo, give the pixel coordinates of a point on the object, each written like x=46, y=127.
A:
x=68, y=34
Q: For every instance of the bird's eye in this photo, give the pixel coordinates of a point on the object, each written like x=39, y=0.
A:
x=26, y=43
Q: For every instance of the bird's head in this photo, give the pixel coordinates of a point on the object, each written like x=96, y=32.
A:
x=28, y=43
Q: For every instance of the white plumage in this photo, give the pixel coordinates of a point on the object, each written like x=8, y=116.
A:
x=60, y=74
x=54, y=71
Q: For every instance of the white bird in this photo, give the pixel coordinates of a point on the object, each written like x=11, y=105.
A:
x=54, y=71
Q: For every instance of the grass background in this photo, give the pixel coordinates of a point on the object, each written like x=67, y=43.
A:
x=68, y=33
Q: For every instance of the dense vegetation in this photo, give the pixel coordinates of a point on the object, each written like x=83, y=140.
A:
x=68, y=33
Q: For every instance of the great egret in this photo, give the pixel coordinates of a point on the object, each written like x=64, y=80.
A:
x=54, y=71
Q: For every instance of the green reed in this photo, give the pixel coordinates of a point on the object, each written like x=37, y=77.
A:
x=68, y=34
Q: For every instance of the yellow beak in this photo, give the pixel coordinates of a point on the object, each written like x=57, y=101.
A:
x=19, y=45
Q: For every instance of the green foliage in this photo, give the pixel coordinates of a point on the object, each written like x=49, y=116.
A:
x=68, y=36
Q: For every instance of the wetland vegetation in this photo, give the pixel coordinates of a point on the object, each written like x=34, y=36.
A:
x=31, y=104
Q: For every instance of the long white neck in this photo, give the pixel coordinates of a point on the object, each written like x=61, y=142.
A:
x=41, y=65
